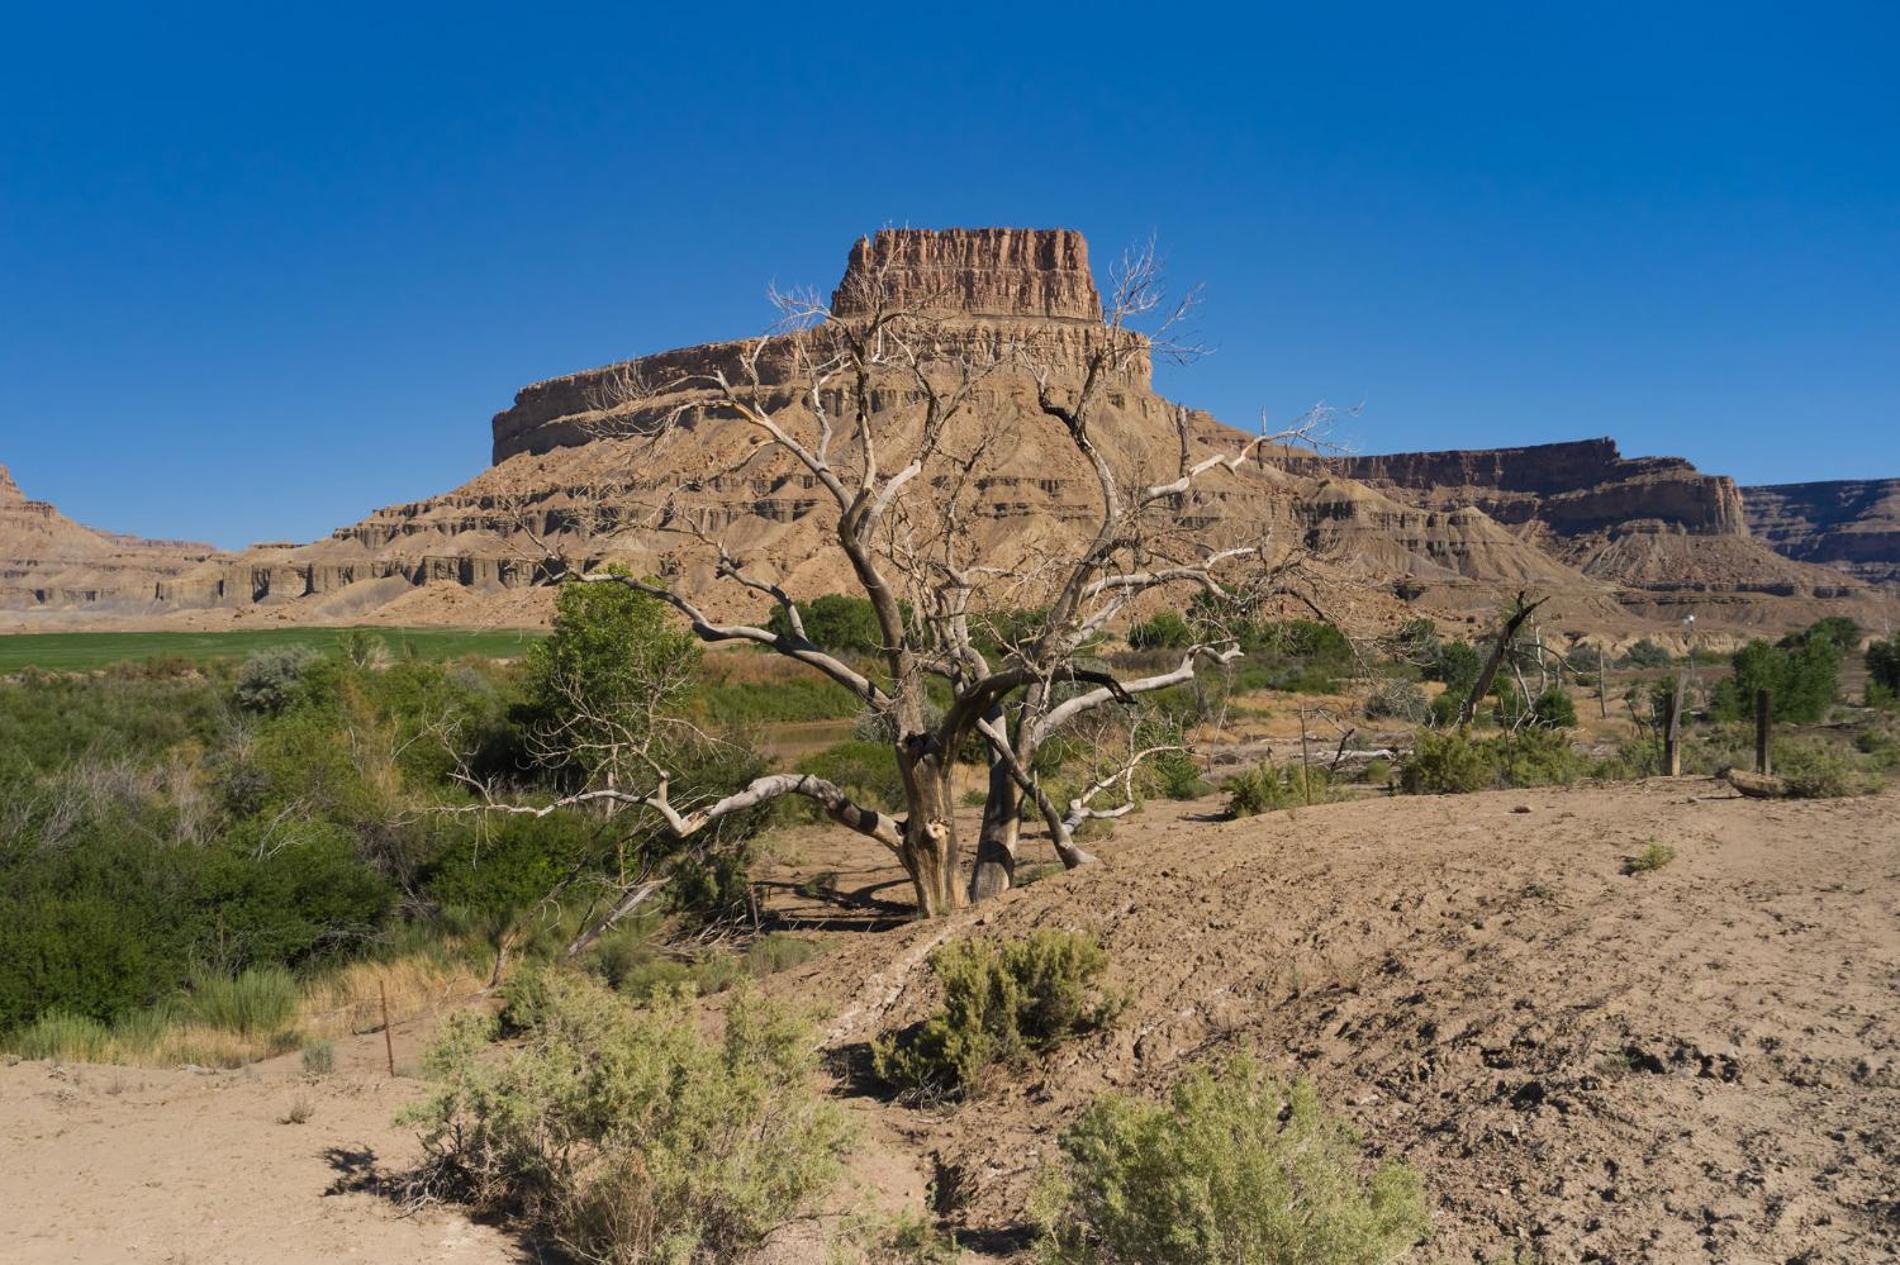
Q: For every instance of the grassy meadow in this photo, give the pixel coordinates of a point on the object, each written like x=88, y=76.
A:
x=84, y=651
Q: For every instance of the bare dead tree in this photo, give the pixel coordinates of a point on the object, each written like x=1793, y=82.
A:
x=1520, y=610
x=891, y=414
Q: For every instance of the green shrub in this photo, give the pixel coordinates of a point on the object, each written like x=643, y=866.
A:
x=1267, y=787
x=1001, y=1003
x=1815, y=768
x=1398, y=699
x=1449, y=763
x=1444, y=710
x=269, y=680
x=1651, y=858
x=1647, y=654
x=1534, y=757
x=1881, y=746
x=1841, y=630
x=1175, y=775
x=1883, y=667
x=1166, y=631
x=835, y=621
x=629, y=1135
x=1801, y=678
x=256, y=1002
x=1457, y=664
x=866, y=771
x=1236, y=1168
x=319, y=1057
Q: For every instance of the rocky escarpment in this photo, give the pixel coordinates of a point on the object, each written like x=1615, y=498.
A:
x=1571, y=489
x=611, y=463
x=49, y=563
x=1667, y=534
x=582, y=461
x=1851, y=525
x=1033, y=274
x=992, y=294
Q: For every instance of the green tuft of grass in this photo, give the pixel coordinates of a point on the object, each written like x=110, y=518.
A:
x=1650, y=859
x=259, y=1001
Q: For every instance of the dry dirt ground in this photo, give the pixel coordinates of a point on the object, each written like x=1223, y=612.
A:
x=1696, y=1064
x=1701, y=1063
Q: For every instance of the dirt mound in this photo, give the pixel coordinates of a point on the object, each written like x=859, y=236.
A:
x=1700, y=1063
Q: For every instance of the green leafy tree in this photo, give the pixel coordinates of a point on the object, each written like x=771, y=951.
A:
x=837, y=622
x=1802, y=680
x=1883, y=669
x=1166, y=631
x=608, y=686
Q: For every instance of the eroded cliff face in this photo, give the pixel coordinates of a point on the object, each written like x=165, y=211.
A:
x=1569, y=488
x=608, y=464
x=988, y=293
x=1851, y=525
x=1036, y=274
x=50, y=563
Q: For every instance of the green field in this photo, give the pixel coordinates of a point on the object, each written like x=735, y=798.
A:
x=78, y=651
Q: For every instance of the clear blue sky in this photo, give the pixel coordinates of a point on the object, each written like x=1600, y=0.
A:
x=263, y=269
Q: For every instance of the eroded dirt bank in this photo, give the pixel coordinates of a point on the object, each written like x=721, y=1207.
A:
x=1699, y=1063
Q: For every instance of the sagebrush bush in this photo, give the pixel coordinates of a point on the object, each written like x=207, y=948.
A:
x=627, y=1134
x=269, y=679
x=1449, y=763
x=1236, y=1168
x=1398, y=699
x=1653, y=857
x=1534, y=757
x=1815, y=768
x=1175, y=775
x=1001, y=1003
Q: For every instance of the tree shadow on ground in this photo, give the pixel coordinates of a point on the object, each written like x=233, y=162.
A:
x=358, y=1172
x=859, y=909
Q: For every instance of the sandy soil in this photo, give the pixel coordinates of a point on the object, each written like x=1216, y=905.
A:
x=122, y=1165
x=1697, y=1064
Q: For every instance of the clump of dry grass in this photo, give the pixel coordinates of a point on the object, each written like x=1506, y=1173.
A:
x=257, y=1015
x=349, y=1000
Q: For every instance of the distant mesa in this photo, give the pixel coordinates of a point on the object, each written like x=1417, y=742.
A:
x=50, y=563
x=1852, y=525
x=1622, y=544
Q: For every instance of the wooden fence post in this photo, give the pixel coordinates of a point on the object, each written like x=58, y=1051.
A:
x=389, y=1041
x=1603, y=685
x=1306, y=766
x=1672, y=737
x=1764, y=709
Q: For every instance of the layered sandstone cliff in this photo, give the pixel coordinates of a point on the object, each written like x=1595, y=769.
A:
x=1851, y=525
x=1665, y=533
x=50, y=563
x=1571, y=489
x=592, y=466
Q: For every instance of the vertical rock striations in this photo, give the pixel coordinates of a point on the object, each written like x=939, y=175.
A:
x=1037, y=274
